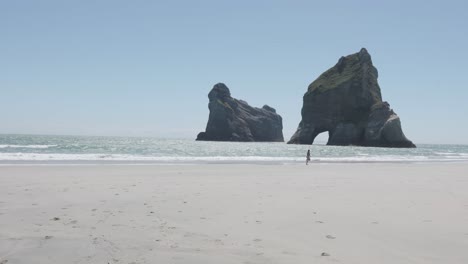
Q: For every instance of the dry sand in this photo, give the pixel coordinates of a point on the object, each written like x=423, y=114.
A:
x=350, y=213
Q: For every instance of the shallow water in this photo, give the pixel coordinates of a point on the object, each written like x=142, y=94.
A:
x=44, y=149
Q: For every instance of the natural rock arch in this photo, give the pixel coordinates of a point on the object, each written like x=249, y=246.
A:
x=346, y=101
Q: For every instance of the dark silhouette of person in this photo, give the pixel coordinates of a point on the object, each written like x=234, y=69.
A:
x=308, y=157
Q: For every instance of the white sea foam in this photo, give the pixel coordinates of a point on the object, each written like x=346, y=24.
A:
x=28, y=146
x=453, y=154
x=123, y=157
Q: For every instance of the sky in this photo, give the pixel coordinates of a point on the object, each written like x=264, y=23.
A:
x=144, y=68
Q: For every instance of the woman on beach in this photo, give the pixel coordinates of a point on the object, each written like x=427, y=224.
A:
x=308, y=157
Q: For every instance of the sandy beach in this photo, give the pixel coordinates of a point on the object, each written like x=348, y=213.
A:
x=322, y=213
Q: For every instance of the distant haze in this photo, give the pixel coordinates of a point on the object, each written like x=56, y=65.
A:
x=144, y=68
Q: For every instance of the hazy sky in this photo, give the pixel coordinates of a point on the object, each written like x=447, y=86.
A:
x=144, y=68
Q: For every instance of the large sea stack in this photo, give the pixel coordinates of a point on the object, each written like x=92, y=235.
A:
x=346, y=102
x=235, y=120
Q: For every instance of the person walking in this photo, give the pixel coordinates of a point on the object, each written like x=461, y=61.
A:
x=308, y=157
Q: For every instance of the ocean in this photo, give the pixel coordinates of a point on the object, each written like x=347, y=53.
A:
x=42, y=149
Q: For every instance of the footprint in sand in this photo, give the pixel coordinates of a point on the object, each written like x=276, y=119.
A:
x=330, y=237
x=324, y=254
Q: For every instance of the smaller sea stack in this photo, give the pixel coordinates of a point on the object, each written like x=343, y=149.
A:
x=231, y=119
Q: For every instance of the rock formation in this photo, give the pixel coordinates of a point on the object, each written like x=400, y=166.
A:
x=234, y=120
x=346, y=102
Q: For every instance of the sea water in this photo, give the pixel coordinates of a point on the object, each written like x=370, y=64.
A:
x=24, y=149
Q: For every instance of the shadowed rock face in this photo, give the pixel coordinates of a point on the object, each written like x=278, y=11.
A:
x=234, y=120
x=346, y=102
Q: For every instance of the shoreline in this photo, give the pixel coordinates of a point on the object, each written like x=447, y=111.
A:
x=6, y=163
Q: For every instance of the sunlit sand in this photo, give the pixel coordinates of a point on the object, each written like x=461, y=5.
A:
x=321, y=213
